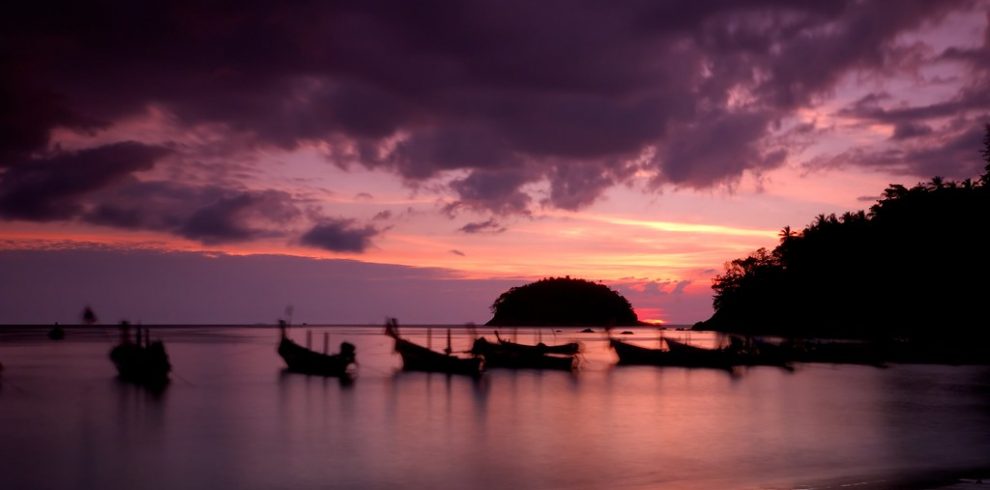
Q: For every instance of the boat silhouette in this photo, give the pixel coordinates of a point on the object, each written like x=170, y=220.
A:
x=300, y=359
x=418, y=358
x=143, y=361
x=506, y=354
x=677, y=354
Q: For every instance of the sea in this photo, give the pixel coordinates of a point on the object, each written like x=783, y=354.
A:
x=233, y=418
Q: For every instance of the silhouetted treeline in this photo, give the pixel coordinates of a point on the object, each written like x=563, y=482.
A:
x=562, y=301
x=919, y=258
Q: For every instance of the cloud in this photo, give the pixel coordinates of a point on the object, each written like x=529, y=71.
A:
x=458, y=253
x=240, y=217
x=340, y=235
x=497, y=191
x=956, y=155
x=907, y=130
x=718, y=146
x=208, y=214
x=578, y=184
x=566, y=93
x=51, y=188
x=382, y=215
x=489, y=226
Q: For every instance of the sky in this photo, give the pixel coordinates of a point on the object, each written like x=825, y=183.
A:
x=188, y=163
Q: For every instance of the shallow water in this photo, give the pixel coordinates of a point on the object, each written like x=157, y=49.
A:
x=232, y=418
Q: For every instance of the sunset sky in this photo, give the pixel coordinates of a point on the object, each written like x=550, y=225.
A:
x=187, y=163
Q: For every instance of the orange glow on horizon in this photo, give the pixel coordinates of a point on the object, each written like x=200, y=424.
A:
x=651, y=315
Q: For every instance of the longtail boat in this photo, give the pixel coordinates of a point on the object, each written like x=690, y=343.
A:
x=678, y=355
x=418, y=358
x=503, y=354
x=142, y=361
x=569, y=348
x=300, y=359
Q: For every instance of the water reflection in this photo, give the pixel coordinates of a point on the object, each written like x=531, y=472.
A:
x=233, y=417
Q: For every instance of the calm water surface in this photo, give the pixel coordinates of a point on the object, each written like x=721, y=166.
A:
x=233, y=419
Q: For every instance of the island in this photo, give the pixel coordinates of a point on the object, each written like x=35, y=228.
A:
x=562, y=301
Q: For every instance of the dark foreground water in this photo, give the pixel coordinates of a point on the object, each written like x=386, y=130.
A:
x=233, y=419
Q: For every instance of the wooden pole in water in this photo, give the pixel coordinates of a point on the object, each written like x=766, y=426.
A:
x=429, y=337
x=449, y=350
x=515, y=334
x=539, y=335
x=326, y=341
x=309, y=339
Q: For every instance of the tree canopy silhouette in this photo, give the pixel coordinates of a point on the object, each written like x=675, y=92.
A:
x=916, y=260
x=562, y=301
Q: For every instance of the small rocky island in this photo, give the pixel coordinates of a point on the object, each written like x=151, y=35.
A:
x=562, y=301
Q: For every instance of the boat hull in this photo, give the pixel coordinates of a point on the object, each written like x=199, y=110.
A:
x=419, y=358
x=302, y=360
x=520, y=356
x=142, y=364
x=630, y=354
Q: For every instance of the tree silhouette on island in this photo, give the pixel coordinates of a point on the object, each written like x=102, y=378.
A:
x=562, y=301
x=915, y=266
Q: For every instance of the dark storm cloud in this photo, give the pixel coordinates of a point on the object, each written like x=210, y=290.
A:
x=45, y=189
x=515, y=92
x=27, y=114
x=340, y=235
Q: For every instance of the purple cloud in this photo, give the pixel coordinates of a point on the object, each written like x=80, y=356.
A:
x=236, y=218
x=208, y=214
x=45, y=189
x=340, y=235
x=569, y=93
x=489, y=226
x=492, y=190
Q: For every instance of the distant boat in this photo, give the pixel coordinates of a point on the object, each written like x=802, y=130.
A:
x=678, y=355
x=56, y=333
x=754, y=351
x=142, y=361
x=504, y=354
x=418, y=358
x=302, y=360
x=569, y=348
